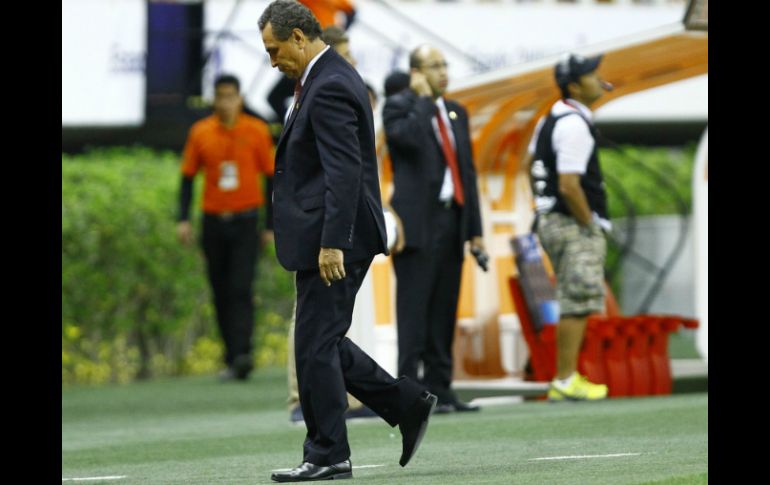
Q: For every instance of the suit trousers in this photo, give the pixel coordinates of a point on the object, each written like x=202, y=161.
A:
x=329, y=364
x=230, y=247
x=427, y=291
x=291, y=373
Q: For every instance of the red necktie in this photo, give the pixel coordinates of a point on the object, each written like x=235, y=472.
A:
x=451, y=159
x=297, y=92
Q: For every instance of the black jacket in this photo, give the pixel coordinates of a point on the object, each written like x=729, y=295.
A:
x=326, y=185
x=419, y=165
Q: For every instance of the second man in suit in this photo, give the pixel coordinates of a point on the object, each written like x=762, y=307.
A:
x=435, y=195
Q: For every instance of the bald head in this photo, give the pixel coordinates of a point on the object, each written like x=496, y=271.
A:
x=430, y=62
x=419, y=53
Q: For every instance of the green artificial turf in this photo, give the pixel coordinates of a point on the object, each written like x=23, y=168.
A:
x=195, y=430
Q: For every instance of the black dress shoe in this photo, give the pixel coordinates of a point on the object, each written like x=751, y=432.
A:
x=414, y=424
x=242, y=366
x=295, y=415
x=462, y=407
x=239, y=370
x=307, y=472
x=444, y=408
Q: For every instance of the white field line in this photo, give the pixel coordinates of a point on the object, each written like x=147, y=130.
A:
x=92, y=478
x=581, y=457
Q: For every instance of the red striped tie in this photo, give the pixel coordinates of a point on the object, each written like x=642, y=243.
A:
x=451, y=159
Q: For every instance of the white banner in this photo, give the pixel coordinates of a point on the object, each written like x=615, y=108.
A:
x=495, y=34
x=103, y=47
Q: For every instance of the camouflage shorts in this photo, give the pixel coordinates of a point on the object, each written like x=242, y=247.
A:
x=577, y=254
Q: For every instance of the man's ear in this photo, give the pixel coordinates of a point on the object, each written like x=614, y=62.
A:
x=298, y=36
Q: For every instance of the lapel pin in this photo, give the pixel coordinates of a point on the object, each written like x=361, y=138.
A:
x=452, y=115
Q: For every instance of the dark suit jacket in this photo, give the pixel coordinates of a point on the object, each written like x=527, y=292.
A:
x=419, y=165
x=326, y=185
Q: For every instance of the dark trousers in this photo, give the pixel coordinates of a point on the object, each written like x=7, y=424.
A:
x=329, y=364
x=427, y=290
x=230, y=247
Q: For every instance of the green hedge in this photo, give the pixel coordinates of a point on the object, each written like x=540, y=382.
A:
x=135, y=303
x=630, y=167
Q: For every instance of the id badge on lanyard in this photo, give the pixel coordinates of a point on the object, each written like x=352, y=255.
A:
x=228, y=176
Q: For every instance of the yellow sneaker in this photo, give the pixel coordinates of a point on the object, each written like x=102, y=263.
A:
x=580, y=389
x=554, y=395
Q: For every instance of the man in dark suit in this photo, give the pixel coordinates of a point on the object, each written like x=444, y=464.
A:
x=435, y=195
x=328, y=226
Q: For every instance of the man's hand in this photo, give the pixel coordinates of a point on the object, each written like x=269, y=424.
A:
x=478, y=252
x=331, y=265
x=419, y=83
x=400, y=235
x=267, y=237
x=478, y=243
x=184, y=232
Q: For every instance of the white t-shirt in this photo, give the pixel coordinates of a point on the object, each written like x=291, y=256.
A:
x=571, y=139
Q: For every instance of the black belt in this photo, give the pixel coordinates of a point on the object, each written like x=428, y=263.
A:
x=231, y=216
